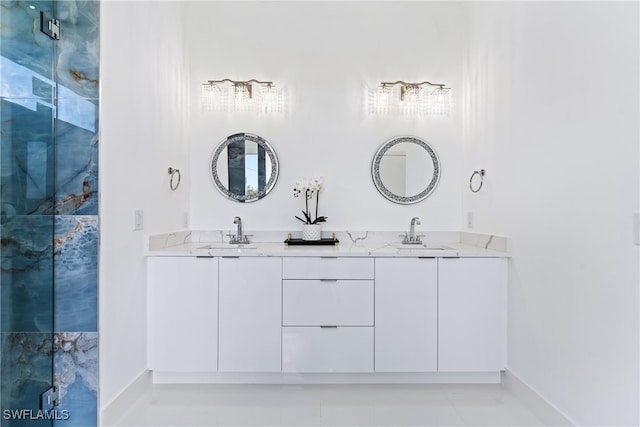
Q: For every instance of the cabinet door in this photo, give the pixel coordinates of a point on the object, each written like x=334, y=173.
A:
x=472, y=314
x=183, y=314
x=406, y=314
x=250, y=330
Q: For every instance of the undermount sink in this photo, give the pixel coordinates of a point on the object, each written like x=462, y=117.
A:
x=232, y=246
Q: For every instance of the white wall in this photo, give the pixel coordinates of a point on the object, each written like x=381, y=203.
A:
x=142, y=123
x=325, y=54
x=553, y=116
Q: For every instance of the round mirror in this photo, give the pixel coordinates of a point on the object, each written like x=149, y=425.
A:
x=406, y=169
x=244, y=167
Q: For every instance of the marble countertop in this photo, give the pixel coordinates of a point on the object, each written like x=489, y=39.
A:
x=352, y=244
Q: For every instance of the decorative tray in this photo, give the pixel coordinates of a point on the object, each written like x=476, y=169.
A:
x=324, y=241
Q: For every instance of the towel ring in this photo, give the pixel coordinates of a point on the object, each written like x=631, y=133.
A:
x=480, y=173
x=174, y=184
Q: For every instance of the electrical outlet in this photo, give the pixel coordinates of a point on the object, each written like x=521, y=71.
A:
x=469, y=219
x=138, y=220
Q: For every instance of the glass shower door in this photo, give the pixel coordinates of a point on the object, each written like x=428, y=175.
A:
x=27, y=152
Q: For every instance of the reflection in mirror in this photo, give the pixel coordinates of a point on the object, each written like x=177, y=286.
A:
x=406, y=169
x=244, y=167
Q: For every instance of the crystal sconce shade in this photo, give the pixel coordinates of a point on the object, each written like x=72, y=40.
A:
x=411, y=99
x=251, y=96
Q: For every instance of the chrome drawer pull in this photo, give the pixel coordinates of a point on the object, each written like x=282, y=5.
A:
x=329, y=280
x=328, y=326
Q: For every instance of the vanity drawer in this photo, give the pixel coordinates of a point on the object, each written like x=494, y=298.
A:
x=327, y=268
x=338, y=349
x=327, y=302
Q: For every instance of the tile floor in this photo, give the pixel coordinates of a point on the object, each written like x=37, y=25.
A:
x=328, y=405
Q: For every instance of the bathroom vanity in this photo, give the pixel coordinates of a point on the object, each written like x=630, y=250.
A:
x=378, y=311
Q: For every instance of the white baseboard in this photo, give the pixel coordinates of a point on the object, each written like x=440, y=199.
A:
x=327, y=378
x=118, y=406
x=542, y=408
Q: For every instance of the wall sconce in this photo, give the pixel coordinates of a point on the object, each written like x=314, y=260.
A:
x=241, y=96
x=414, y=99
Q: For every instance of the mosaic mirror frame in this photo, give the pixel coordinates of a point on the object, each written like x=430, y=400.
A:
x=429, y=186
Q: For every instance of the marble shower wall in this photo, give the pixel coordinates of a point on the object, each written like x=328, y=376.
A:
x=49, y=111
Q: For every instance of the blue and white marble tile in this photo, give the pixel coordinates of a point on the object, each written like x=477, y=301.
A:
x=76, y=373
x=76, y=273
x=77, y=68
x=26, y=259
x=27, y=371
x=76, y=168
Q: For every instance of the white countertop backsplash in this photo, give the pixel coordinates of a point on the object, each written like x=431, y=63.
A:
x=352, y=243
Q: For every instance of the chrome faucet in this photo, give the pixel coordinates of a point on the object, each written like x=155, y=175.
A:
x=238, y=220
x=411, y=238
x=239, y=237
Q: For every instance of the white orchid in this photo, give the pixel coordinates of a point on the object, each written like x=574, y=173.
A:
x=309, y=187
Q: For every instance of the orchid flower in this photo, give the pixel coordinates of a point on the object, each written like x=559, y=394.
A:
x=309, y=187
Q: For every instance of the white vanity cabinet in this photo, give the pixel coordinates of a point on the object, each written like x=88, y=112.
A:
x=183, y=314
x=406, y=315
x=327, y=314
x=472, y=302
x=250, y=301
x=384, y=316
